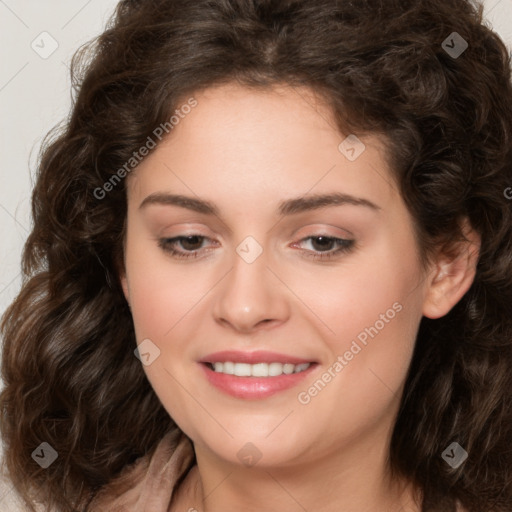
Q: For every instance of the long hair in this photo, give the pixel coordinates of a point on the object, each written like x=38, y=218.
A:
x=393, y=68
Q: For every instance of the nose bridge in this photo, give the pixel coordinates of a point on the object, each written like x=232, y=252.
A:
x=250, y=294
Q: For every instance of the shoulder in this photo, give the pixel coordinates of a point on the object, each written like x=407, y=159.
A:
x=150, y=482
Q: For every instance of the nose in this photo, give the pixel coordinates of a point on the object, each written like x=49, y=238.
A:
x=251, y=297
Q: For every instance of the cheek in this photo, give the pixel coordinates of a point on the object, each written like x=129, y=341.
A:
x=374, y=317
x=162, y=292
x=370, y=294
x=165, y=302
x=368, y=313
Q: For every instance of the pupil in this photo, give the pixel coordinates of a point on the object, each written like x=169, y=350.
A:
x=190, y=240
x=323, y=241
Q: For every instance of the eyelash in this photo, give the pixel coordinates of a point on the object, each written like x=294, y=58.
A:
x=344, y=246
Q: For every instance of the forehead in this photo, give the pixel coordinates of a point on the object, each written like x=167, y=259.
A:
x=281, y=141
x=234, y=113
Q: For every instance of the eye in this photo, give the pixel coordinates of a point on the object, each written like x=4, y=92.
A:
x=191, y=245
x=323, y=247
x=327, y=247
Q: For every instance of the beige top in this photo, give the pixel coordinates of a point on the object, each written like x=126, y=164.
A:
x=149, y=485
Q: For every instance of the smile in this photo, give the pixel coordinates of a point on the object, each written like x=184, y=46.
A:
x=254, y=375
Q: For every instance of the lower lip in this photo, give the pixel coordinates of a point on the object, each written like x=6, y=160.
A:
x=254, y=387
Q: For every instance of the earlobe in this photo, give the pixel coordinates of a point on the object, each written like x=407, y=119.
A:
x=453, y=275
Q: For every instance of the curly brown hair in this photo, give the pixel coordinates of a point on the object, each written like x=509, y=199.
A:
x=68, y=365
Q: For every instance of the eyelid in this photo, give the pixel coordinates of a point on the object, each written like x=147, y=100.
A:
x=183, y=229
x=322, y=229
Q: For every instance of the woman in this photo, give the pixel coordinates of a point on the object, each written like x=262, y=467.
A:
x=271, y=266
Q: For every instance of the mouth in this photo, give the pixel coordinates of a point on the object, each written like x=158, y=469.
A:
x=254, y=375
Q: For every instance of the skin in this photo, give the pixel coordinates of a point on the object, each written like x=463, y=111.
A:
x=247, y=150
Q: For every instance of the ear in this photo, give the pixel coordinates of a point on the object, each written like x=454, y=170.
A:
x=453, y=273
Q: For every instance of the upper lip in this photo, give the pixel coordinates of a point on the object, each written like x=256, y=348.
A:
x=258, y=356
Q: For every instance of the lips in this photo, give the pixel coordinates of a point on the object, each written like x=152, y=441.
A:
x=254, y=375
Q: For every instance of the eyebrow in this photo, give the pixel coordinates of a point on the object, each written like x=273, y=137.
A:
x=287, y=207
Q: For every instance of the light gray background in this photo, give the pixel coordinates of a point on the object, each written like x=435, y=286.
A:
x=35, y=96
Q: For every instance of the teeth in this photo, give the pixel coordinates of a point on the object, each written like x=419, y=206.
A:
x=243, y=370
x=275, y=369
x=259, y=369
x=288, y=368
x=301, y=367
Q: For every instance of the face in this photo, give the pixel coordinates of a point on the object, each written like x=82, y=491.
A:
x=314, y=305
